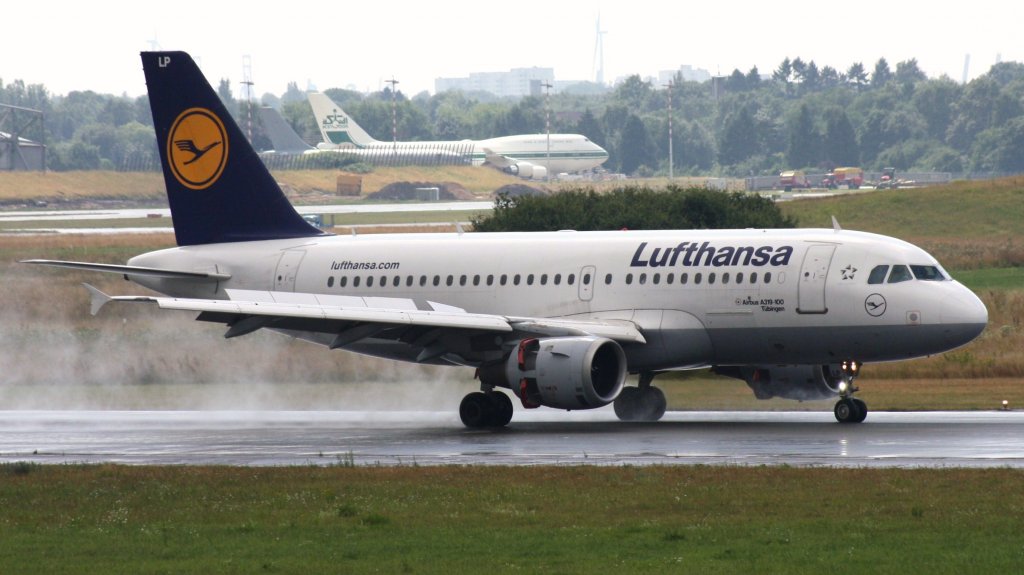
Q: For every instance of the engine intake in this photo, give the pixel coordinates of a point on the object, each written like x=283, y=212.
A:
x=563, y=372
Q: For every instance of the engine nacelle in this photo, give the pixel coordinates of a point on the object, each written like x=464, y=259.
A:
x=527, y=170
x=800, y=382
x=563, y=372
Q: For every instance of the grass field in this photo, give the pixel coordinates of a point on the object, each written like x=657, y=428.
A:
x=340, y=519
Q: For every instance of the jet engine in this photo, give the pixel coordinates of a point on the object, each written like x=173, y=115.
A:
x=583, y=372
x=527, y=170
x=800, y=382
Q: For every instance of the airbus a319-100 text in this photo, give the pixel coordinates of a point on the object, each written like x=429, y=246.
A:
x=556, y=319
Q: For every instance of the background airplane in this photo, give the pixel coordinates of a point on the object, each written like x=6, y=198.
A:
x=559, y=319
x=528, y=155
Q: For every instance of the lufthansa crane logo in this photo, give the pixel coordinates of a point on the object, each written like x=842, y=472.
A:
x=874, y=305
x=197, y=148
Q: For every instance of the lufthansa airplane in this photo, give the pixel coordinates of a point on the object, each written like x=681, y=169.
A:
x=527, y=155
x=556, y=319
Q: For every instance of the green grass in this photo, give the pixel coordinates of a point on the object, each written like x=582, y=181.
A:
x=992, y=278
x=969, y=209
x=343, y=519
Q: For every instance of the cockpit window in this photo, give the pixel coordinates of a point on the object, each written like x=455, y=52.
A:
x=877, y=275
x=900, y=274
x=928, y=273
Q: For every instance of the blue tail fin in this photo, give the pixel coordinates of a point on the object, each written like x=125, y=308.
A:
x=218, y=188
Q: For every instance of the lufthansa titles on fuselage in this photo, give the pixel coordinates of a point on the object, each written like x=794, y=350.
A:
x=692, y=254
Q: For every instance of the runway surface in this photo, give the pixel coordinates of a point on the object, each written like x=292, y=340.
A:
x=276, y=438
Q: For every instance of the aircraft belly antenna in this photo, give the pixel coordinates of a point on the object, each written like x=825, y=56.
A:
x=835, y=225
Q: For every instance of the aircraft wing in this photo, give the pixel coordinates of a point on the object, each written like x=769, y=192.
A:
x=498, y=160
x=351, y=318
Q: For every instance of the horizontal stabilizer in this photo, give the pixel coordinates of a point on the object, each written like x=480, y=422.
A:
x=132, y=270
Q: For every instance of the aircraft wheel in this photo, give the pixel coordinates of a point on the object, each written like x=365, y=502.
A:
x=652, y=404
x=502, y=408
x=476, y=410
x=847, y=411
x=863, y=410
x=627, y=404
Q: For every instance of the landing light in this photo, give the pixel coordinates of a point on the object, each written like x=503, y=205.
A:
x=842, y=387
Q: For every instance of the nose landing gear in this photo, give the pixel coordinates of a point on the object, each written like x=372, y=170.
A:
x=849, y=409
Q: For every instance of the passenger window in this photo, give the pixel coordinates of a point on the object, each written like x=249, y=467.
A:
x=476, y=280
x=343, y=281
x=900, y=274
x=739, y=277
x=490, y=279
x=437, y=280
x=504, y=279
x=558, y=279
x=423, y=281
x=572, y=279
x=408, y=281
x=767, y=277
x=515, y=279
x=711, y=278
x=586, y=279
x=725, y=278
x=683, y=278
x=449, y=280
x=355, y=282
x=877, y=274
x=608, y=279
x=529, y=279
x=330, y=281
x=397, y=282
x=369, y=281
x=656, y=279
x=462, y=280
x=753, y=277
x=543, y=279
x=669, y=278
x=629, y=279
x=696, y=278
x=643, y=279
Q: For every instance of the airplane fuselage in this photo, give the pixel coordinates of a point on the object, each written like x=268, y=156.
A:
x=699, y=297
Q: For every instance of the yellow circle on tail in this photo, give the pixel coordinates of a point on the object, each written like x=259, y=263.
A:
x=197, y=148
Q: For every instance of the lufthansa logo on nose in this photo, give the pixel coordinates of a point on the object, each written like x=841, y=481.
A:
x=197, y=148
x=875, y=305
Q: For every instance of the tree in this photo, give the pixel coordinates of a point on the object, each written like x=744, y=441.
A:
x=804, y=141
x=738, y=141
x=839, y=142
x=634, y=144
x=856, y=75
x=882, y=75
x=591, y=128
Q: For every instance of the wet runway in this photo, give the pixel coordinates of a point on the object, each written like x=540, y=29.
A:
x=274, y=438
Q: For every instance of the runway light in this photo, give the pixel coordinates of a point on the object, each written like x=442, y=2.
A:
x=1006, y=404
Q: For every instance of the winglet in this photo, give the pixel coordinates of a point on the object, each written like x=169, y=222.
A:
x=99, y=299
x=835, y=225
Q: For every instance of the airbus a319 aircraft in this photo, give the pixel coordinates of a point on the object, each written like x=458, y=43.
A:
x=555, y=319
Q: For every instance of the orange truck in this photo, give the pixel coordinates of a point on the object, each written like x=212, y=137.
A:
x=793, y=179
x=852, y=178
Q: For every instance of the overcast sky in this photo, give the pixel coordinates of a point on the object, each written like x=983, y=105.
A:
x=75, y=45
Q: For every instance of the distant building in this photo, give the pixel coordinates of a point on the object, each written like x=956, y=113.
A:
x=689, y=73
x=19, y=154
x=517, y=82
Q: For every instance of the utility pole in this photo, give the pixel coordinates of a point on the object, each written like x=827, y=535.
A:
x=394, y=116
x=669, y=91
x=547, y=127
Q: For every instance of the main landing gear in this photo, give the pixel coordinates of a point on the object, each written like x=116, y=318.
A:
x=486, y=409
x=642, y=403
x=849, y=409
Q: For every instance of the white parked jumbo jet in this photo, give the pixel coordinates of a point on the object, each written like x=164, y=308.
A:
x=556, y=319
x=527, y=155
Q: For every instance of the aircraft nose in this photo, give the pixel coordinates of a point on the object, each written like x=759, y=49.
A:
x=964, y=315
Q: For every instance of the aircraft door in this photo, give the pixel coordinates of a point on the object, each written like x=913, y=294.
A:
x=811, y=290
x=287, y=270
x=587, y=279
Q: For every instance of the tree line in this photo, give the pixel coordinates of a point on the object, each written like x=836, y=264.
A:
x=800, y=116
